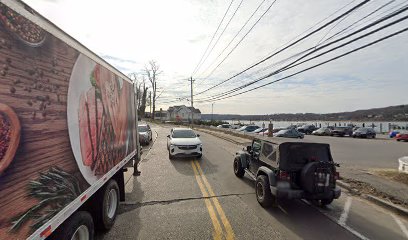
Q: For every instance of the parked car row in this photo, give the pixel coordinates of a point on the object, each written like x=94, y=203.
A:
x=296, y=131
x=361, y=132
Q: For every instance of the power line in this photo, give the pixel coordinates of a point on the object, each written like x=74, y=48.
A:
x=361, y=19
x=219, y=37
x=219, y=64
x=340, y=33
x=215, y=33
x=314, y=66
x=335, y=25
x=290, y=45
x=239, y=31
x=317, y=49
x=331, y=43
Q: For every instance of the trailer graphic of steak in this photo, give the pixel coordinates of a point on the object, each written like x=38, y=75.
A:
x=102, y=120
x=90, y=121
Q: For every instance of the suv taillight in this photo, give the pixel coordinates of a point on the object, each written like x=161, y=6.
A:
x=285, y=176
x=337, y=176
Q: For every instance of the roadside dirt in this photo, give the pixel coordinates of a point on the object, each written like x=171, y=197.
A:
x=392, y=174
x=365, y=188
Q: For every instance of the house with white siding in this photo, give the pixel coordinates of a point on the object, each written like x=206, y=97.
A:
x=183, y=113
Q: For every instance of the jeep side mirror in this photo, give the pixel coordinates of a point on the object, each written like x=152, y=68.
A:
x=249, y=148
x=198, y=135
x=168, y=136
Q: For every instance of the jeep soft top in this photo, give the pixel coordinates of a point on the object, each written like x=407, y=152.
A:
x=289, y=168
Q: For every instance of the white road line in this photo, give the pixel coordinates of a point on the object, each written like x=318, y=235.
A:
x=346, y=210
x=401, y=225
x=354, y=232
x=357, y=234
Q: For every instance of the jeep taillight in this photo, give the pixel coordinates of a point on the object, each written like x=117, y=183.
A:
x=285, y=176
x=337, y=176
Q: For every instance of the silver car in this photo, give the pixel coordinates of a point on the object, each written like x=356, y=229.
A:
x=145, y=134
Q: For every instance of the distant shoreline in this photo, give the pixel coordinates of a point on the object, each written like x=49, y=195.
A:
x=397, y=113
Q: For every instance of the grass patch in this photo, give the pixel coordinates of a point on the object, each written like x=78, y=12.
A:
x=392, y=175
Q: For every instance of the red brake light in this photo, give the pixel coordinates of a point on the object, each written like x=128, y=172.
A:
x=284, y=176
x=337, y=176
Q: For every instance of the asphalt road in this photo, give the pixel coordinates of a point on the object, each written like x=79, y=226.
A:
x=364, y=153
x=202, y=199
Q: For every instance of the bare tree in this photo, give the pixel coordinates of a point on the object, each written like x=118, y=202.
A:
x=141, y=92
x=153, y=71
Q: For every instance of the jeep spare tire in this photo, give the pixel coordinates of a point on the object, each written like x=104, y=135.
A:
x=315, y=177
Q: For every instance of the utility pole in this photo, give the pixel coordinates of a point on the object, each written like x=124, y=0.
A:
x=191, y=99
x=212, y=112
x=191, y=90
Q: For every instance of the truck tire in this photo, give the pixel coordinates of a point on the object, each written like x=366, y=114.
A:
x=108, y=203
x=263, y=192
x=170, y=156
x=238, y=169
x=79, y=226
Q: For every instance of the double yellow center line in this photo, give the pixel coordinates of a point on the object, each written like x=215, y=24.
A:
x=209, y=197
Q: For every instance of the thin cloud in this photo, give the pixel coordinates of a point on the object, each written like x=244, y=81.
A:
x=121, y=60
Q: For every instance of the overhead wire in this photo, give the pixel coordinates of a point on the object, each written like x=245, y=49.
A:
x=314, y=66
x=215, y=33
x=288, y=46
x=222, y=33
x=316, y=24
x=340, y=33
x=361, y=19
x=236, y=35
x=232, y=50
x=326, y=45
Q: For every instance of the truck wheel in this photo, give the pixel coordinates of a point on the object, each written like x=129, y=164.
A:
x=238, y=169
x=263, y=192
x=79, y=226
x=325, y=202
x=108, y=206
x=170, y=157
x=200, y=156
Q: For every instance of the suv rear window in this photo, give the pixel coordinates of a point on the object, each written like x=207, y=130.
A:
x=302, y=154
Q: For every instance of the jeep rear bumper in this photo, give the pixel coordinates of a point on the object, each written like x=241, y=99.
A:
x=283, y=190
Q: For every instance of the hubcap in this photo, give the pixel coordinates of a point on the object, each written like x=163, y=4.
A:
x=82, y=233
x=112, y=203
x=259, y=190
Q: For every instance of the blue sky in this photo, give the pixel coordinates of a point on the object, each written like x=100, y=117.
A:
x=175, y=33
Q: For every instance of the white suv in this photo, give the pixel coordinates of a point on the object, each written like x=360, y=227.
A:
x=184, y=142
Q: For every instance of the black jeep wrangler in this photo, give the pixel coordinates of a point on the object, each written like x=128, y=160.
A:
x=289, y=169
